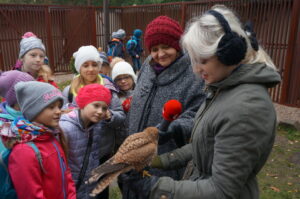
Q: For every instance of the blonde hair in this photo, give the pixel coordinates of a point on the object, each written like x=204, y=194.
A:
x=46, y=73
x=204, y=33
x=115, y=60
x=78, y=82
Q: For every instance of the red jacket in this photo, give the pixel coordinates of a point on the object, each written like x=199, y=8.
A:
x=28, y=178
x=40, y=79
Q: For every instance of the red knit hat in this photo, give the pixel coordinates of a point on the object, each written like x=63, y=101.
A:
x=163, y=30
x=91, y=93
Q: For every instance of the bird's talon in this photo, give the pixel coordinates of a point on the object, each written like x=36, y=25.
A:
x=146, y=174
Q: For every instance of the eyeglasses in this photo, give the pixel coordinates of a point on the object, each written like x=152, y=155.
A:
x=127, y=77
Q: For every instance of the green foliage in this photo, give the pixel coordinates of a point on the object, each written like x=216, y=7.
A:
x=114, y=192
x=72, y=65
x=62, y=85
x=289, y=131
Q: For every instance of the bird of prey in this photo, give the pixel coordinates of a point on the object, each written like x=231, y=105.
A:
x=136, y=152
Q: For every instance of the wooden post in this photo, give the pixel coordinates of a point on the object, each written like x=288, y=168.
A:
x=290, y=52
x=49, y=39
x=106, y=23
x=183, y=15
x=92, y=11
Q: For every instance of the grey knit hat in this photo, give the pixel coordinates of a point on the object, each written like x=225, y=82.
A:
x=120, y=34
x=103, y=56
x=30, y=43
x=33, y=97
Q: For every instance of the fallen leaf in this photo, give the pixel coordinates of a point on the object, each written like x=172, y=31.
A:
x=273, y=174
x=275, y=189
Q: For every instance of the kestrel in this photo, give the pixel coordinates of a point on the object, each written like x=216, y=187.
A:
x=136, y=152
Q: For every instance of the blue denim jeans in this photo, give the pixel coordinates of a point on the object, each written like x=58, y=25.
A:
x=136, y=64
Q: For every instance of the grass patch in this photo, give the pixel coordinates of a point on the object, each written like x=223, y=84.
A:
x=114, y=192
x=62, y=85
x=280, y=177
x=289, y=131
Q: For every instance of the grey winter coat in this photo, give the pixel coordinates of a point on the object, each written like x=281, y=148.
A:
x=152, y=92
x=77, y=137
x=232, y=138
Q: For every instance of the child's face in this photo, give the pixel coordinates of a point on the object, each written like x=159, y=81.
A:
x=50, y=116
x=94, y=112
x=33, y=60
x=89, y=71
x=124, y=82
x=105, y=69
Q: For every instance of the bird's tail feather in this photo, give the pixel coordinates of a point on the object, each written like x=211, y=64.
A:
x=106, y=181
x=103, y=169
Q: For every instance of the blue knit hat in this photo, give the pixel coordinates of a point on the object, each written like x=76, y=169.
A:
x=137, y=33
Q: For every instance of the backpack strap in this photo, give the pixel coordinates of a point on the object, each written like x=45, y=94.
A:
x=85, y=160
x=37, y=154
x=3, y=158
x=63, y=168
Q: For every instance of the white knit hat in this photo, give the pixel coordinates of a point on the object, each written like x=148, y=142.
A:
x=122, y=68
x=86, y=53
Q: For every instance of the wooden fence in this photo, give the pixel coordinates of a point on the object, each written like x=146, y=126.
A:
x=64, y=29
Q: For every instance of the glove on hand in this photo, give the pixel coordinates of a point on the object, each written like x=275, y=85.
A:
x=138, y=184
x=156, y=163
x=164, y=137
x=174, y=132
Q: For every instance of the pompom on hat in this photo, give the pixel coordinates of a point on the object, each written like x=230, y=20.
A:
x=91, y=93
x=163, y=30
x=33, y=97
x=8, y=80
x=86, y=53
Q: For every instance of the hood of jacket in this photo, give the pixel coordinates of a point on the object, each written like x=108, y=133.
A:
x=258, y=73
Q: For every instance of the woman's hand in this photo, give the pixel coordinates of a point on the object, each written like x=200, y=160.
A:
x=107, y=115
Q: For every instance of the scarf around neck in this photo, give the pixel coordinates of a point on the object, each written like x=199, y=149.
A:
x=22, y=131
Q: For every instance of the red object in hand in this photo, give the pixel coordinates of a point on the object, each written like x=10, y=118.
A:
x=171, y=110
x=126, y=104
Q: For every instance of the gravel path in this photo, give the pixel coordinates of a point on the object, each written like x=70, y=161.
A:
x=288, y=115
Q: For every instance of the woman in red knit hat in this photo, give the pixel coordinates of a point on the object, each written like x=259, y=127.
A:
x=166, y=74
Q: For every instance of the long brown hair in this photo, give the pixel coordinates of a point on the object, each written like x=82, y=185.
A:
x=63, y=142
